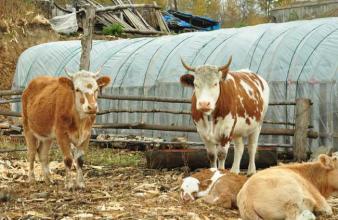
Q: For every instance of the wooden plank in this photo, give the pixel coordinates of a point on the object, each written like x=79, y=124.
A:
x=303, y=110
x=135, y=31
x=162, y=24
x=125, y=6
x=10, y=113
x=132, y=18
x=10, y=92
x=141, y=17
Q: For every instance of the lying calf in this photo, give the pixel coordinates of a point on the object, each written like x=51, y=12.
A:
x=219, y=187
x=290, y=191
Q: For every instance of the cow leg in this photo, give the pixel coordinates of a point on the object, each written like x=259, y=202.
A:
x=43, y=157
x=238, y=149
x=222, y=152
x=64, y=143
x=32, y=147
x=322, y=207
x=212, y=153
x=252, y=148
x=78, y=157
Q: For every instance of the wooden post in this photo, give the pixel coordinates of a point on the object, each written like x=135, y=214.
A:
x=303, y=110
x=175, y=5
x=86, y=41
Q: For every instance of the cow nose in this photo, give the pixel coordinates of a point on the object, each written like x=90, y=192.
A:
x=204, y=105
x=92, y=108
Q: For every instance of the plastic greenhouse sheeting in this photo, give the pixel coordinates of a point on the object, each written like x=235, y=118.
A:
x=298, y=59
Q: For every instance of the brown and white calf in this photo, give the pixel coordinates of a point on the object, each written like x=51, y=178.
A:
x=64, y=109
x=290, y=192
x=227, y=106
x=218, y=187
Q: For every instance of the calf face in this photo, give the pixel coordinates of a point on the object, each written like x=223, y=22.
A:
x=331, y=164
x=189, y=188
x=206, y=82
x=87, y=86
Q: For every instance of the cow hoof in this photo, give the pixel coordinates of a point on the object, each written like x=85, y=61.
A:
x=48, y=181
x=80, y=185
x=325, y=211
x=250, y=173
x=31, y=179
x=328, y=211
x=70, y=185
x=233, y=170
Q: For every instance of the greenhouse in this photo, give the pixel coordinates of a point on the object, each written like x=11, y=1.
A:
x=298, y=59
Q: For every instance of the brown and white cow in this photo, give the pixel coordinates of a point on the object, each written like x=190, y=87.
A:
x=227, y=106
x=64, y=109
x=294, y=191
x=217, y=187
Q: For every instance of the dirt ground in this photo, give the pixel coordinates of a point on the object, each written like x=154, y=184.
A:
x=118, y=186
x=130, y=192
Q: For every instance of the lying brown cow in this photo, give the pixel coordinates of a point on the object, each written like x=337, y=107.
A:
x=61, y=108
x=290, y=191
x=218, y=187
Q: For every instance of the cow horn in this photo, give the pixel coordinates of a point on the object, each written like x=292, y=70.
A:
x=68, y=73
x=98, y=70
x=186, y=66
x=226, y=66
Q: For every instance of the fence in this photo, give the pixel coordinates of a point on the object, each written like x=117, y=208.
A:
x=301, y=131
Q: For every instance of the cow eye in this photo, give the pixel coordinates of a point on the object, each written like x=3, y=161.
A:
x=215, y=84
x=77, y=90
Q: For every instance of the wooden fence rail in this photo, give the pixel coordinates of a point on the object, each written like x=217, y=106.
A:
x=141, y=98
x=144, y=126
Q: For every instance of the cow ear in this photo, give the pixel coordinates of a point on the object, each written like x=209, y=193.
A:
x=66, y=82
x=225, y=73
x=103, y=81
x=326, y=161
x=187, y=80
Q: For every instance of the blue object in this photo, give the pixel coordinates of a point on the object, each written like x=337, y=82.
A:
x=178, y=21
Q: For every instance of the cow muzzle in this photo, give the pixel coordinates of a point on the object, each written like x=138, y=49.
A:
x=204, y=106
x=187, y=197
x=91, y=109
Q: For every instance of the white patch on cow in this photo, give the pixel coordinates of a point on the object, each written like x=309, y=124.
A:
x=81, y=80
x=189, y=186
x=214, y=179
x=213, y=169
x=212, y=132
x=248, y=89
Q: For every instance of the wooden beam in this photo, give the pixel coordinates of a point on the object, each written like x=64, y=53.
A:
x=144, y=98
x=303, y=110
x=143, y=126
x=10, y=92
x=126, y=6
x=135, y=31
x=7, y=101
x=143, y=111
x=10, y=113
x=86, y=41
